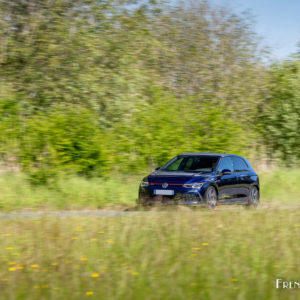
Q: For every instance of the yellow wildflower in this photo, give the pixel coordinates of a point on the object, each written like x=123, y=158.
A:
x=93, y=239
x=12, y=263
x=95, y=275
x=89, y=293
x=34, y=266
x=192, y=283
x=204, y=244
x=12, y=269
x=196, y=249
x=109, y=241
x=75, y=238
x=104, y=269
x=78, y=228
x=7, y=234
x=133, y=272
x=9, y=248
x=100, y=232
x=83, y=258
x=234, y=279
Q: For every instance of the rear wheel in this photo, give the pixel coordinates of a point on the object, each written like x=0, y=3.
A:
x=254, y=197
x=211, y=197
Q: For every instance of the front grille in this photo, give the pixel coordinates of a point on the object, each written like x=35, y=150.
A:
x=178, y=198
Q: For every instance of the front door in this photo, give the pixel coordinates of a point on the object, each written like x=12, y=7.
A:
x=226, y=183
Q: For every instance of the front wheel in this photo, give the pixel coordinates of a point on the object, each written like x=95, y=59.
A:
x=254, y=197
x=211, y=197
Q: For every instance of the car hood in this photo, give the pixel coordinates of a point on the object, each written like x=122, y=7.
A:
x=177, y=177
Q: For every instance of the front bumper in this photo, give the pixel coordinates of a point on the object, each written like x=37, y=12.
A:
x=182, y=196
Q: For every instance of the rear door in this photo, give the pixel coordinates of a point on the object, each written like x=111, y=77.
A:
x=243, y=177
x=226, y=183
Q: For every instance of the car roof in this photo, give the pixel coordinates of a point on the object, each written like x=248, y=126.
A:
x=208, y=154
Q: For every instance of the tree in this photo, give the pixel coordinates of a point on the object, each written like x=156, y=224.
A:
x=142, y=79
x=281, y=114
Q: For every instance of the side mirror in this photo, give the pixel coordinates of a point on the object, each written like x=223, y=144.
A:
x=157, y=168
x=226, y=172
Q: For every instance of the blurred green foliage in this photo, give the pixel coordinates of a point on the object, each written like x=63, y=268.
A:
x=63, y=139
x=90, y=87
x=167, y=255
x=281, y=117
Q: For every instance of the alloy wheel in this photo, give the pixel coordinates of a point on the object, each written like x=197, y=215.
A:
x=254, y=196
x=211, y=197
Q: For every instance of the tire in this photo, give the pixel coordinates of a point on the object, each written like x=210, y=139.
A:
x=211, y=197
x=254, y=197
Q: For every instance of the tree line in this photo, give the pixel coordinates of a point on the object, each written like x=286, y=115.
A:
x=93, y=87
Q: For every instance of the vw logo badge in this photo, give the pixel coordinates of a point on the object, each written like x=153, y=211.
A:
x=164, y=185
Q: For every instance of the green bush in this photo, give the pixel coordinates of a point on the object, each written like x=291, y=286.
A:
x=64, y=139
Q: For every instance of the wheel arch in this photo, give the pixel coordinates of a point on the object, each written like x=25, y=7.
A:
x=256, y=184
x=215, y=186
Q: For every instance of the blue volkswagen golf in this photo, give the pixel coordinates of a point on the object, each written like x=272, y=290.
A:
x=202, y=178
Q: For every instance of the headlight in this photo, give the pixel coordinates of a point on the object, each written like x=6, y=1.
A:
x=144, y=182
x=193, y=185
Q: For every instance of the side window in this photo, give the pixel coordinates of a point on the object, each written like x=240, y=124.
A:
x=239, y=164
x=225, y=163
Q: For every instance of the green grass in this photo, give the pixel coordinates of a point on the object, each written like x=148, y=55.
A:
x=229, y=253
x=222, y=254
x=281, y=186
x=66, y=193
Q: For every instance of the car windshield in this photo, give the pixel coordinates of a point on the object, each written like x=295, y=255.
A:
x=201, y=163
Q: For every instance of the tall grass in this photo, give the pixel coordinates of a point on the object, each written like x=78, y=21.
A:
x=227, y=254
x=70, y=192
x=281, y=186
x=73, y=192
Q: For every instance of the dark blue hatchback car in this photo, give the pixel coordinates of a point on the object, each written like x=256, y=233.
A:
x=202, y=178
